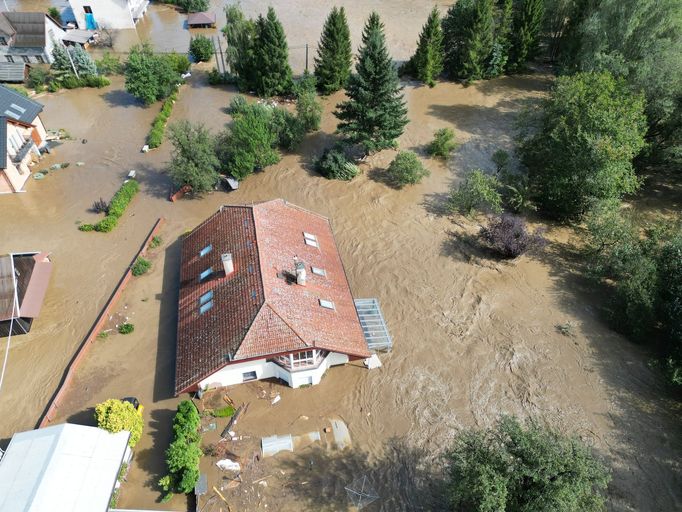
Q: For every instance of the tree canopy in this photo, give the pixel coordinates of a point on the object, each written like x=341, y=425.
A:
x=582, y=142
x=193, y=158
x=271, y=71
x=427, y=62
x=374, y=115
x=334, y=53
x=149, y=77
x=114, y=415
x=523, y=468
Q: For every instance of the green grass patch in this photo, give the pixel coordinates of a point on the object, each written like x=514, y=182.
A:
x=223, y=412
x=155, y=242
x=126, y=328
x=141, y=266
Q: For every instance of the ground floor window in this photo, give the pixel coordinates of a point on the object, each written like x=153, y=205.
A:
x=304, y=359
x=9, y=58
x=40, y=59
x=247, y=376
x=26, y=59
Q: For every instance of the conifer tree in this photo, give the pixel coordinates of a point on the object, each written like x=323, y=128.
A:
x=375, y=114
x=427, y=62
x=468, y=30
x=503, y=26
x=526, y=32
x=334, y=54
x=272, y=74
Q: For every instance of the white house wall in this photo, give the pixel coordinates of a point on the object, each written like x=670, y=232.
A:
x=54, y=34
x=111, y=14
x=233, y=374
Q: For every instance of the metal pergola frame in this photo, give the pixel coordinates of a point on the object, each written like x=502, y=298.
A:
x=373, y=325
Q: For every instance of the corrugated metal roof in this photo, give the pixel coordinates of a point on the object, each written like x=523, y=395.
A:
x=201, y=18
x=63, y=467
x=17, y=106
x=12, y=71
x=258, y=310
x=29, y=27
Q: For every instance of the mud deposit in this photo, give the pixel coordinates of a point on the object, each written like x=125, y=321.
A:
x=474, y=338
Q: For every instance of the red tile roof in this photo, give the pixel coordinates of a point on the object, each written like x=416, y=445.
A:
x=259, y=310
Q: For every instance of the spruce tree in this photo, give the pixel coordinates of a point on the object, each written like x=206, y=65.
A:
x=468, y=31
x=427, y=62
x=503, y=27
x=272, y=74
x=526, y=32
x=334, y=54
x=375, y=114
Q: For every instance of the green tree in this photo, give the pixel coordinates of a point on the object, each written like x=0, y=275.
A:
x=478, y=192
x=184, y=453
x=272, y=74
x=334, y=53
x=149, y=77
x=468, y=32
x=240, y=34
x=427, y=62
x=641, y=41
x=406, y=169
x=586, y=135
x=82, y=60
x=504, y=17
x=54, y=13
x=193, y=158
x=61, y=65
x=309, y=111
x=115, y=415
x=375, y=114
x=524, y=468
x=193, y=5
x=526, y=32
x=201, y=48
x=249, y=143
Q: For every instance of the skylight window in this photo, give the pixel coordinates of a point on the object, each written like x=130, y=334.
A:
x=319, y=271
x=206, y=297
x=205, y=307
x=326, y=304
x=205, y=274
x=206, y=250
x=310, y=242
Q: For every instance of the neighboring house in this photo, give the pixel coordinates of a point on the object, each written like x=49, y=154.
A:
x=23, y=283
x=201, y=20
x=65, y=467
x=28, y=37
x=263, y=294
x=22, y=135
x=111, y=14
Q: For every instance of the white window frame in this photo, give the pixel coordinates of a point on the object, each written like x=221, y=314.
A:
x=318, y=271
x=327, y=304
x=205, y=250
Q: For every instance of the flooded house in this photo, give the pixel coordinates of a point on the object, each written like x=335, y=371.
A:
x=263, y=294
x=108, y=14
x=24, y=278
x=22, y=135
x=28, y=37
x=63, y=467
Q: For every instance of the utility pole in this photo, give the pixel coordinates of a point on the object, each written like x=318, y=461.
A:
x=306, y=57
x=73, y=66
x=215, y=51
x=221, y=55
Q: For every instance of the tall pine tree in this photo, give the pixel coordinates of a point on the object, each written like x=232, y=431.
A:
x=334, y=54
x=272, y=74
x=375, y=114
x=468, y=30
x=427, y=62
x=526, y=34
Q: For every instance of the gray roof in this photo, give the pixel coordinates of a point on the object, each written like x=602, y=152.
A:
x=12, y=72
x=17, y=106
x=29, y=27
x=3, y=142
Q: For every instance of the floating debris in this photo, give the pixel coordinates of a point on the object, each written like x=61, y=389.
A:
x=39, y=176
x=80, y=164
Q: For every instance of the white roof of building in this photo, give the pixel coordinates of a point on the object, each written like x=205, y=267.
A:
x=70, y=468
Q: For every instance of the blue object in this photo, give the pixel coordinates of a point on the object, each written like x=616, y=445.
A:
x=90, y=23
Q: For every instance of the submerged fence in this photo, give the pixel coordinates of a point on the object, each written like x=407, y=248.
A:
x=53, y=406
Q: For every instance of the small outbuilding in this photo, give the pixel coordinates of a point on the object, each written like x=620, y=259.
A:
x=63, y=467
x=15, y=72
x=201, y=20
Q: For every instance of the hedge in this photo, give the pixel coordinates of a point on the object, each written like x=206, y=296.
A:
x=155, y=137
x=117, y=207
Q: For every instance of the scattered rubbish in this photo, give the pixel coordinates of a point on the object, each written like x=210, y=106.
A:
x=307, y=439
x=211, y=426
x=232, y=433
x=341, y=434
x=327, y=430
x=304, y=417
x=228, y=465
x=232, y=183
x=233, y=420
x=372, y=362
x=54, y=167
x=275, y=400
x=361, y=493
x=221, y=496
x=80, y=164
x=275, y=444
x=145, y=148
x=132, y=174
x=65, y=165
x=186, y=75
x=38, y=176
x=263, y=483
x=84, y=141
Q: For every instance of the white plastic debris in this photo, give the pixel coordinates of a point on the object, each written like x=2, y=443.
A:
x=186, y=75
x=145, y=148
x=276, y=399
x=132, y=174
x=372, y=362
x=228, y=465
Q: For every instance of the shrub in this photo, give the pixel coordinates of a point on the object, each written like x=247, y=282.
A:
x=122, y=197
x=71, y=82
x=215, y=77
x=443, y=143
x=141, y=266
x=508, y=236
x=18, y=88
x=180, y=63
x=109, y=65
x=100, y=206
x=37, y=78
x=126, y=328
x=309, y=110
x=225, y=412
x=96, y=81
x=501, y=159
x=107, y=224
x=201, y=48
x=479, y=191
x=115, y=415
x=406, y=169
x=155, y=136
x=155, y=242
x=335, y=165
x=184, y=453
x=86, y=227
x=238, y=105
x=289, y=130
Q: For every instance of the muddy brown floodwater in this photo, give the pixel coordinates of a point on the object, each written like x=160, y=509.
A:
x=474, y=338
